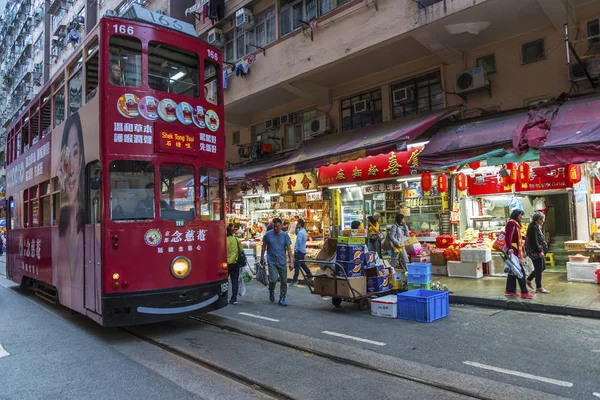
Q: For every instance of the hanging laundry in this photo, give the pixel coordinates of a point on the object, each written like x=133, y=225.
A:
x=245, y=69
x=216, y=10
x=205, y=12
x=73, y=37
x=251, y=59
x=225, y=75
x=241, y=69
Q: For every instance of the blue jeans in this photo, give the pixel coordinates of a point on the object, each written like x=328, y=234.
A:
x=374, y=245
x=300, y=264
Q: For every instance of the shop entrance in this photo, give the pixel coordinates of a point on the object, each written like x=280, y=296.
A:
x=558, y=221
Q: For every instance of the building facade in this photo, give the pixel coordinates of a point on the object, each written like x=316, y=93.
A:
x=326, y=60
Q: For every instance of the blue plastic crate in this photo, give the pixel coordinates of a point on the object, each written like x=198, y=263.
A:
x=419, y=268
x=418, y=278
x=423, y=305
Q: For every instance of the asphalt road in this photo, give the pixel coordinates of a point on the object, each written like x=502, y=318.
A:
x=553, y=354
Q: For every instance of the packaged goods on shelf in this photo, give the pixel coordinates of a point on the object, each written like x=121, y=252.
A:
x=582, y=272
x=460, y=269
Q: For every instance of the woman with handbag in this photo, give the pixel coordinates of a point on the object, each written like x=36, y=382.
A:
x=514, y=246
x=375, y=235
x=536, y=247
x=233, y=268
x=396, y=236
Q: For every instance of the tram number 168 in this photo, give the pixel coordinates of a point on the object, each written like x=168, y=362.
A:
x=123, y=29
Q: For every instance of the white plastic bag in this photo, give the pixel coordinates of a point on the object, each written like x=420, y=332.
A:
x=513, y=265
x=242, y=287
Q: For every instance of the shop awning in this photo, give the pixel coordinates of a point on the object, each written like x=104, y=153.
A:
x=575, y=133
x=372, y=140
x=471, y=140
x=239, y=173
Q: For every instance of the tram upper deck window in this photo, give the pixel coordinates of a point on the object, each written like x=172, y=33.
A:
x=177, y=194
x=173, y=70
x=125, y=63
x=131, y=190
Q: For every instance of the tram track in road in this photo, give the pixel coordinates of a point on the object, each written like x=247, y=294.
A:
x=225, y=372
x=347, y=361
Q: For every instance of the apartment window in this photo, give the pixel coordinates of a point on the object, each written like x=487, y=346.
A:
x=351, y=120
x=258, y=131
x=180, y=77
x=294, y=11
x=488, y=63
x=295, y=134
x=59, y=106
x=235, y=137
x=39, y=44
x=265, y=30
x=593, y=32
x=229, y=49
x=241, y=39
x=426, y=93
x=532, y=51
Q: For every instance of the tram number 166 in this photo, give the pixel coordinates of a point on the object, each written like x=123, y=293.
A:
x=213, y=55
x=123, y=29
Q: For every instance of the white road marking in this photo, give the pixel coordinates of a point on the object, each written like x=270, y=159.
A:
x=354, y=338
x=520, y=374
x=259, y=317
x=3, y=353
x=596, y=394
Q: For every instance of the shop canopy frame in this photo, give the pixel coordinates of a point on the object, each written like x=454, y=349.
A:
x=242, y=172
x=372, y=140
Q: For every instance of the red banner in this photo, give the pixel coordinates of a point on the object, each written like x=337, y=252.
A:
x=541, y=178
x=382, y=166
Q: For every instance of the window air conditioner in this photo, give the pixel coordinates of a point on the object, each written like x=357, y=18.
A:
x=470, y=81
x=319, y=126
x=403, y=95
x=272, y=123
x=286, y=119
x=362, y=106
x=244, y=19
x=215, y=37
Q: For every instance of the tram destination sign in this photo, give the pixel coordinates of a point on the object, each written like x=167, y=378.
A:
x=176, y=142
x=139, y=13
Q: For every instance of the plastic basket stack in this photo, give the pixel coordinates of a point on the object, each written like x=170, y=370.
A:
x=419, y=276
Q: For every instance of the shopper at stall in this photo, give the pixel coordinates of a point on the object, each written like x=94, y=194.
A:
x=535, y=248
x=233, y=269
x=514, y=245
x=374, y=240
x=300, y=253
x=355, y=224
x=398, y=233
x=276, y=243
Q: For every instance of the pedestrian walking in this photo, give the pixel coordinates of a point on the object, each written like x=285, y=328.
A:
x=233, y=252
x=398, y=233
x=374, y=239
x=276, y=243
x=300, y=252
x=514, y=245
x=536, y=247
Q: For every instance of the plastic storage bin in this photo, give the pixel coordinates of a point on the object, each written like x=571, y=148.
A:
x=419, y=268
x=423, y=305
x=418, y=278
x=414, y=286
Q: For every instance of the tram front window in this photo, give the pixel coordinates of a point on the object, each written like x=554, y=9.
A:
x=177, y=194
x=131, y=190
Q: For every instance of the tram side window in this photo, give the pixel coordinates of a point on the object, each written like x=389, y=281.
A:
x=34, y=204
x=59, y=107
x=177, y=194
x=18, y=144
x=25, y=135
x=211, y=192
x=55, y=201
x=26, y=208
x=131, y=190
x=173, y=70
x=45, y=199
x=35, y=127
x=125, y=63
x=46, y=118
x=211, y=82
x=75, y=93
x=91, y=77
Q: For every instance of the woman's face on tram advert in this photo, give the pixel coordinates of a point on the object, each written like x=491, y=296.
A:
x=71, y=162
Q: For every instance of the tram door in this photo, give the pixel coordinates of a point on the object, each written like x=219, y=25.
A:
x=92, y=232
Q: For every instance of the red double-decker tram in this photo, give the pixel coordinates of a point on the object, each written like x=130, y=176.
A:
x=115, y=177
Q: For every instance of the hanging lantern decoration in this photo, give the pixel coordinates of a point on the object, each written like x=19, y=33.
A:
x=574, y=171
x=461, y=182
x=523, y=175
x=426, y=183
x=453, y=169
x=442, y=182
x=474, y=165
x=512, y=174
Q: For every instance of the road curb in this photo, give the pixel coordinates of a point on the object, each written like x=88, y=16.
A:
x=525, y=306
x=476, y=387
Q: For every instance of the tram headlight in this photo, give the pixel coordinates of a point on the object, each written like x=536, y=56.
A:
x=181, y=267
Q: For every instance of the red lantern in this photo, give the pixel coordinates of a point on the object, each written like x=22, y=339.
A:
x=512, y=170
x=452, y=169
x=426, y=182
x=474, y=165
x=523, y=175
x=442, y=181
x=461, y=182
x=574, y=173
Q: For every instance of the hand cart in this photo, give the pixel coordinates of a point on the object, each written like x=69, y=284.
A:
x=361, y=299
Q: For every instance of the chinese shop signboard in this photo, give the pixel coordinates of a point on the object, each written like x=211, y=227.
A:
x=541, y=178
x=383, y=166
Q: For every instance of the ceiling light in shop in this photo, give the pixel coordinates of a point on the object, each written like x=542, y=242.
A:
x=271, y=195
x=408, y=179
x=252, y=196
x=306, y=191
x=342, y=186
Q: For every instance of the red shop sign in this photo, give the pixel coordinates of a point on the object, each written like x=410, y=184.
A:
x=382, y=166
x=489, y=185
x=547, y=178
